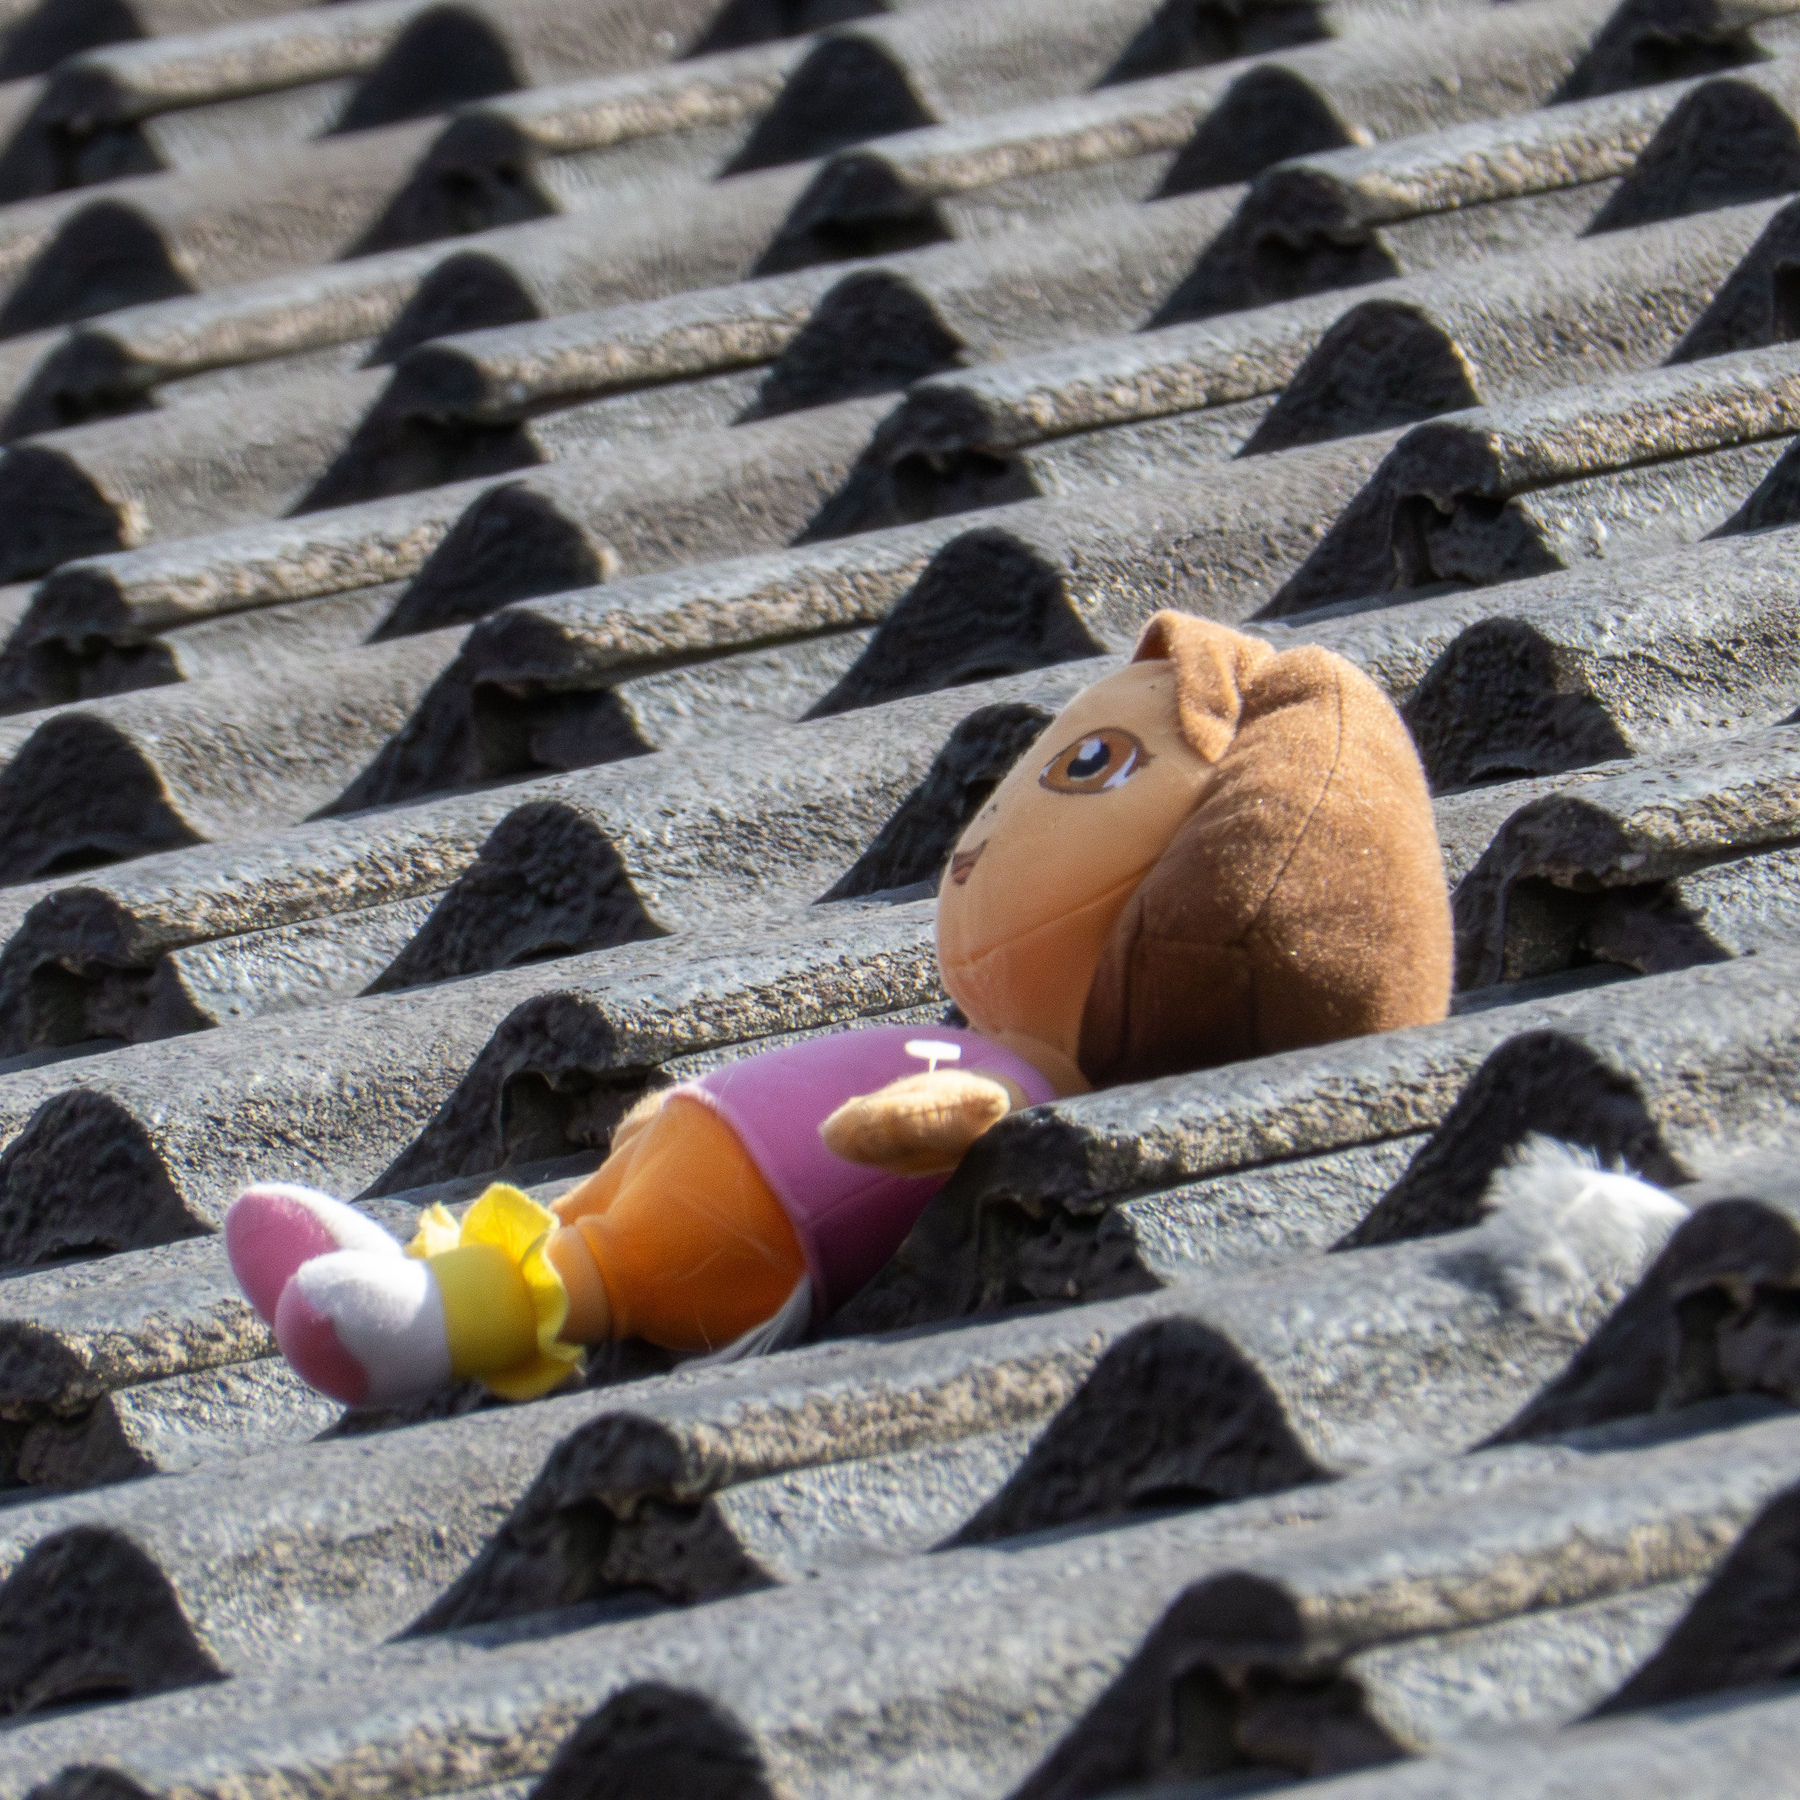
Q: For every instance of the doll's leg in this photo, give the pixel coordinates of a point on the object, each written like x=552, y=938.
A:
x=370, y=1329
x=273, y=1228
x=687, y=1244
x=677, y=1239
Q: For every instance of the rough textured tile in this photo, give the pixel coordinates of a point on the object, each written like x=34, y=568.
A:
x=1598, y=871
x=207, y=760
x=1494, y=494
x=869, y=805
x=1067, y=1640
x=1037, y=582
x=1227, y=124
x=1344, y=362
x=1245, y=1385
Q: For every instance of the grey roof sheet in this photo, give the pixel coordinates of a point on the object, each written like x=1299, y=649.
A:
x=532, y=528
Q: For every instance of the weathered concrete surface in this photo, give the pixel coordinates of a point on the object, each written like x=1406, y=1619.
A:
x=1597, y=871
x=693, y=498
x=1455, y=500
x=124, y=483
x=826, y=796
x=1212, y=1392
x=575, y=874
x=1426, y=343
x=171, y=107
x=1029, y=584
x=618, y=1462
x=1331, y=219
x=1228, y=124
x=206, y=760
x=144, y=345
x=1540, y=1670
x=568, y=266
x=1077, y=276
x=1254, y=1655
x=250, y=645
x=1023, y=1647
x=1582, y=666
x=1710, y=1751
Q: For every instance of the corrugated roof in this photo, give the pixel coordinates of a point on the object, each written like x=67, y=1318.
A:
x=532, y=528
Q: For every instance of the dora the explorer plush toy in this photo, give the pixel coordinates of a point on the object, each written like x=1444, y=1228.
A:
x=1214, y=853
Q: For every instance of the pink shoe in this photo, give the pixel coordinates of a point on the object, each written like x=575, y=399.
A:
x=365, y=1327
x=274, y=1228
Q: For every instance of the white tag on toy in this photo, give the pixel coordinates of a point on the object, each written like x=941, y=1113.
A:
x=933, y=1051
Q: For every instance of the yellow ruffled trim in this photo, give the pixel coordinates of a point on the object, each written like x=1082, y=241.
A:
x=514, y=1224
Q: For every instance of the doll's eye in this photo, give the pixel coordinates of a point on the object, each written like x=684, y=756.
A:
x=1095, y=764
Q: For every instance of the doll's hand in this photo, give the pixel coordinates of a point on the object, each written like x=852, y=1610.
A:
x=920, y=1124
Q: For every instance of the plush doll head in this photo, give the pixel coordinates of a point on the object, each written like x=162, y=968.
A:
x=1215, y=853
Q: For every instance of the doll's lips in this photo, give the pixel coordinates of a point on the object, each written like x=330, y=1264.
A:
x=965, y=860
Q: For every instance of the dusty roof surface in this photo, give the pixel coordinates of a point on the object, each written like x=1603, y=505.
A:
x=531, y=526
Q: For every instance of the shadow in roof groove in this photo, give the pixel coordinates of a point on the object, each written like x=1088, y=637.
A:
x=1759, y=303
x=49, y=153
x=511, y=544
x=1650, y=864
x=1501, y=702
x=1384, y=364
x=1174, y=1715
x=54, y=29
x=1776, y=500
x=547, y=883
x=53, y=512
x=873, y=333
x=468, y=291
x=1185, y=34
x=478, y=175
x=1273, y=251
x=83, y=1176
x=987, y=605
x=847, y=90
x=1173, y=1414
x=653, y=1740
x=1651, y=41
x=390, y=454
x=855, y=206
x=1726, y=143
x=740, y=23
x=1266, y=116
x=443, y=57
x=125, y=807
x=108, y=255
x=87, y=1615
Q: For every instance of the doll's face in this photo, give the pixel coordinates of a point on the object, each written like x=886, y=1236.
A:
x=1040, y=876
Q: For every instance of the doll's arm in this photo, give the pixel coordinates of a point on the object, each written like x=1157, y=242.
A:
x=921, y=1124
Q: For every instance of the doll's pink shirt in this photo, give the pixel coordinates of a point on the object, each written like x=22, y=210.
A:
x=850, y=1219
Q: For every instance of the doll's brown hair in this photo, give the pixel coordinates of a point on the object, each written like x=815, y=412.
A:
x=1303, y=898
